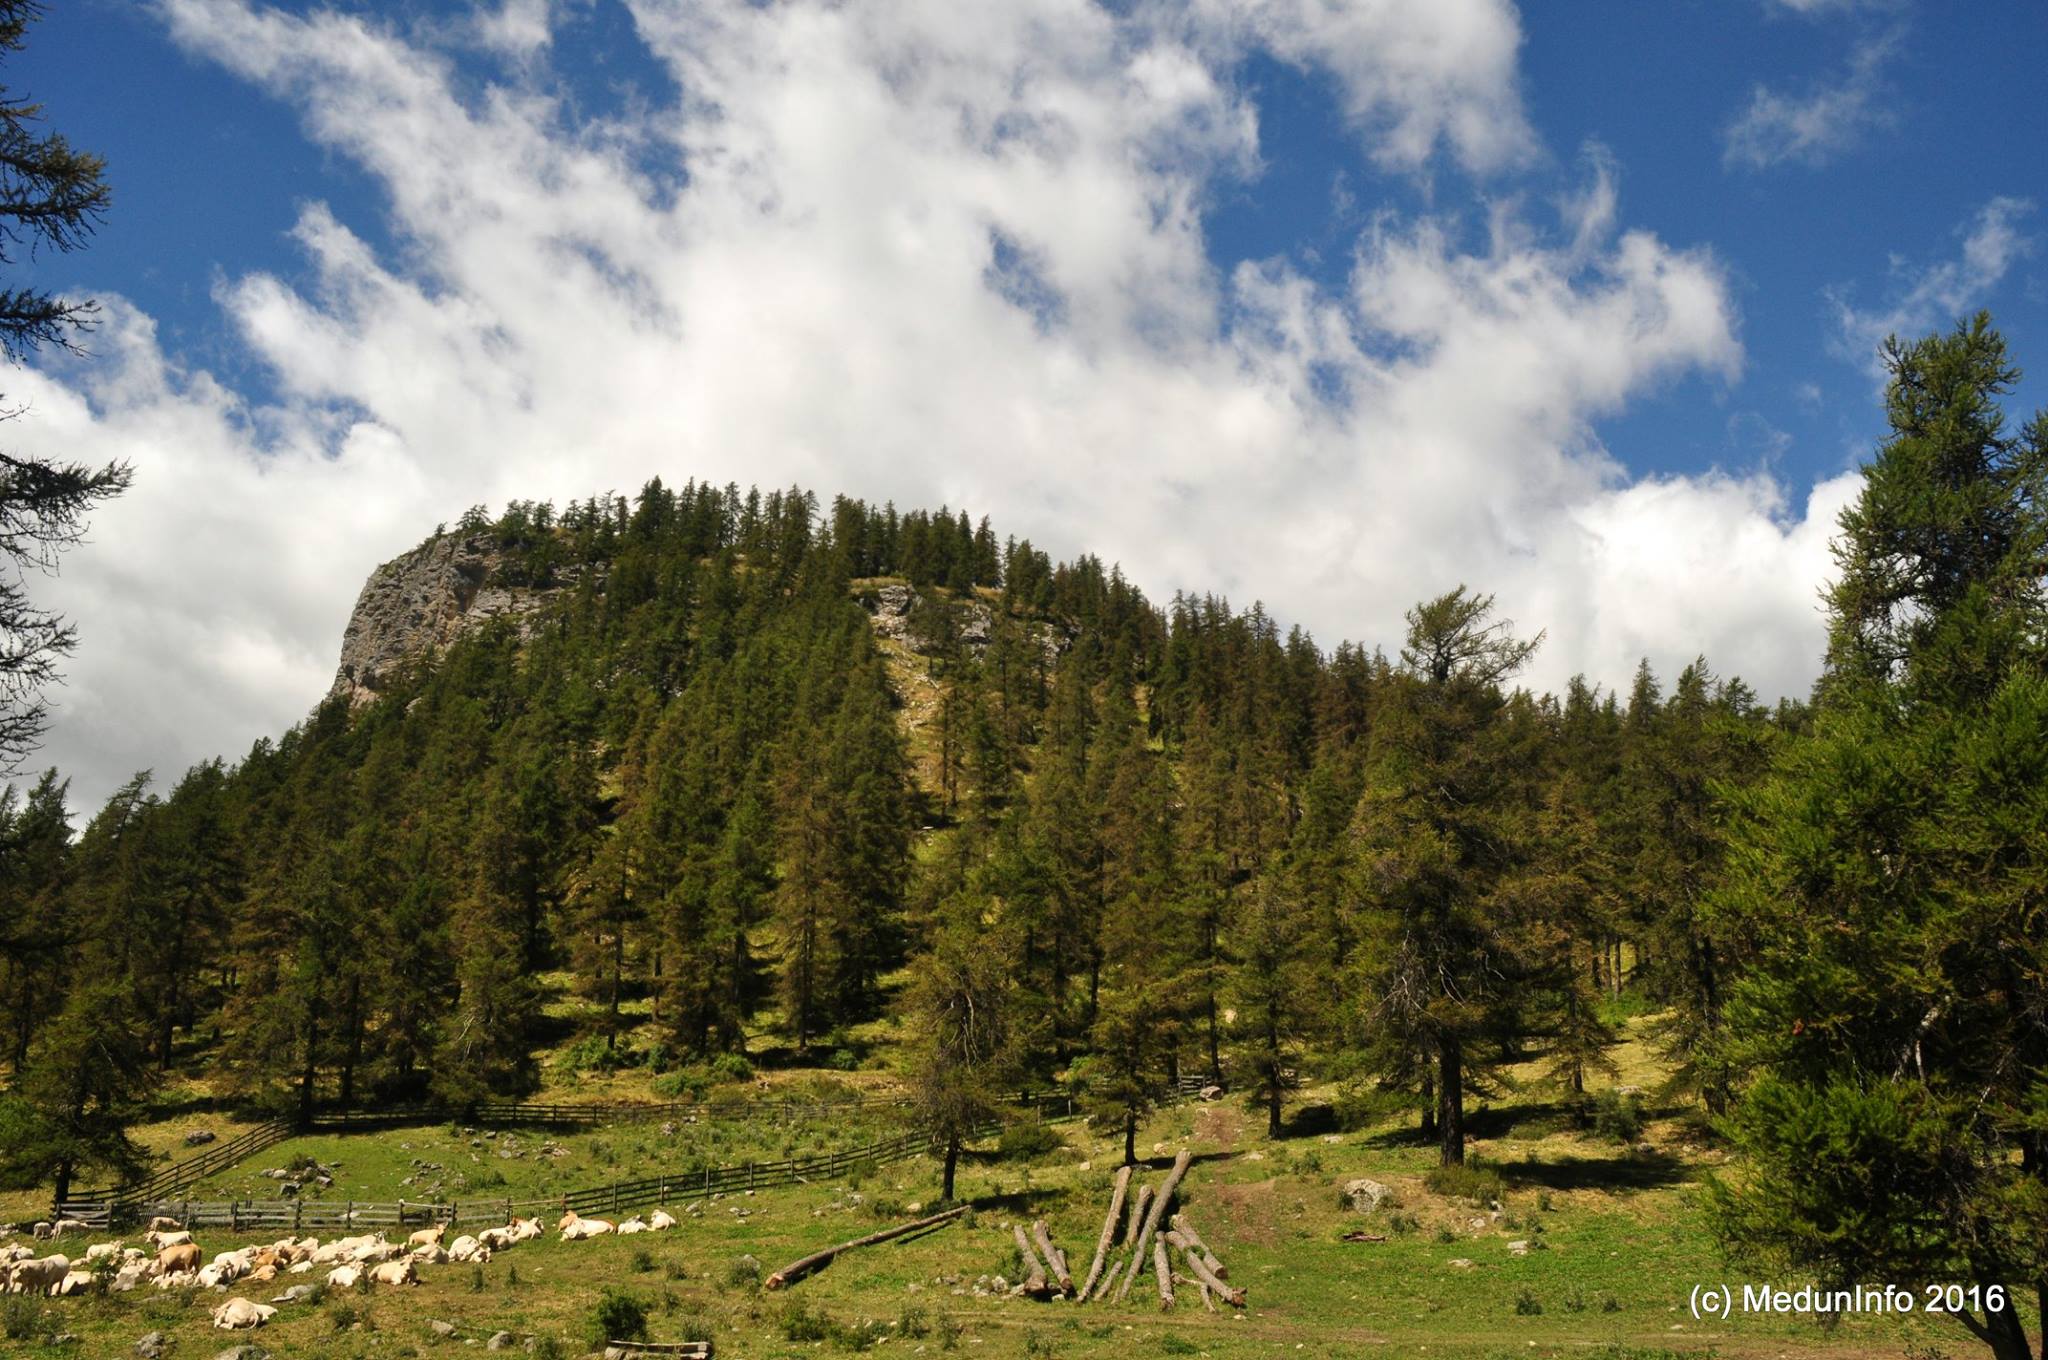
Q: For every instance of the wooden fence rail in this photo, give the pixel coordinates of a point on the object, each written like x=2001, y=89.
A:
x=107, y=1210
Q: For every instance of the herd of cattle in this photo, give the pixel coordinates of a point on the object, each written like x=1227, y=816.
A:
x=175, y=1261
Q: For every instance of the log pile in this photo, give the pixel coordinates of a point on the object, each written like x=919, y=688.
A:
x=1156, y=1239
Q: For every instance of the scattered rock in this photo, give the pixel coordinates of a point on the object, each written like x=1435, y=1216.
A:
x=200, y=1138
x=501, y=1341
x=242, y=1353
x=441, y=1329
x=1365, y=1195
x=1459, y=1263
x=1519, y=1248
x=1211, y=1093
x=152, y=1345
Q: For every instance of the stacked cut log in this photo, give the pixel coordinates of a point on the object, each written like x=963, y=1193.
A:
x=1155, y=1241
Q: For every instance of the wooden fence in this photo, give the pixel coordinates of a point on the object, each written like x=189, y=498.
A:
x=105, y=1208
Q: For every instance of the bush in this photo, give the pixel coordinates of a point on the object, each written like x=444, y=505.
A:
x=476, y=1279
x=1527, y=1304
x=1473, y=1180
x=619, y=1316
x=592, y=1054
x=744, y=1273
x=658, y=1058
x=1178, y=1345
x=731, y=1067
x=643, y=1260
x=915, y=1323
x=21, y=1318
x=345, y=1314
x=682, y=1084
x=1029, y=1138
x=1618, y=1117
x=545, y=1348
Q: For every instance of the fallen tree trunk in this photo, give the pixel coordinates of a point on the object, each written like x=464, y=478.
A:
x=1138, y=1207
x=1231, y=1295
x=1116, y=1204
x=1108, y=1281
x=1187, y=1230
x=1035, y=1286
x=1154, y=1214
x=1053, y=1257
x=796, y=1270
x=1164, y=1272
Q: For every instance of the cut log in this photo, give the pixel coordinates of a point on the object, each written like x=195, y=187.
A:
x=1053, y=1257
x=1102, y=1243
x=1108, y=1281
x=1138, y=1207
x=1229, y=1294
x=1034, y=1286
x=796, y=1270
x=1201, y=1248
x=1164, y=1272
x=1156, y=1212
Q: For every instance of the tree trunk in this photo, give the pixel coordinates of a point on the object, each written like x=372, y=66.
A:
x=952, y=1162
x=1164, y=1272
x=1034, y=1282
x=62, y=1189
x=307, y=1074
x=797, y=1269
x=1153, y=1214
x=1102, y=1243
x=1428, y=1099
x=355, y=1042
x=1053, y=1257
x=1130, y=1139
x=1451, y=1071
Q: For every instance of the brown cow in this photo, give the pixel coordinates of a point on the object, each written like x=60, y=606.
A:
x=182, y=1257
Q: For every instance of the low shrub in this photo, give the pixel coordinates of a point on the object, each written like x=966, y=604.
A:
x=1617, y=1117
x=1029, y=1138
x=618, y=1316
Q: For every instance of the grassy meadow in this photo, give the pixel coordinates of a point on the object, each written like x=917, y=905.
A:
x=1611, y=1222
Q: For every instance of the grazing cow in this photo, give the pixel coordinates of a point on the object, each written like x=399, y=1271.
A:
x=100, y=1250
x=659, y=1220
x=467, y=1248
x=162, y=1224
x=69, y=1225
x=178, y=1258
x=427, y=1237
x=344, y=1277
x=395, y=1272
x=166, y=1237
x=38, y=1276
x=236, y=1314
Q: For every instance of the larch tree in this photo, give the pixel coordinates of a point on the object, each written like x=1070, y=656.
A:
x=1439, y=831
x=1886, y=881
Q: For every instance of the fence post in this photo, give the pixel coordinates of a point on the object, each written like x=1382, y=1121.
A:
x=234, y=1215
x=298, y=1212
x=750, y=1175
x=615, y=1198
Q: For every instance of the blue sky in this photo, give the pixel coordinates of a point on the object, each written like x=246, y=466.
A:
x=1330, y=305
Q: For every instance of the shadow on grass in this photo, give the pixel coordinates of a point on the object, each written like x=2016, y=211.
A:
x=1622, y=1171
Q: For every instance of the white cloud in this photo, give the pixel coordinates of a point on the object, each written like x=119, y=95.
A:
x=1934, y=296
x=820, y=300
x=1815, y=127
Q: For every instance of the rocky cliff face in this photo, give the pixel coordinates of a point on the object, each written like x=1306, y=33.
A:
x=415, y=605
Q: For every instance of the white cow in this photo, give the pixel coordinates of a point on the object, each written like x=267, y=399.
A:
x=575, y=1228
x=239, y=1313
x=635, y=1224
x=395, y=1272
x=660, y=1220
x=344, y=1277
x=467, y=1248
x=38, y=1276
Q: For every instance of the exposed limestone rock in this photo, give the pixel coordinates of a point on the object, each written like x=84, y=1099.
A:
x=416, y=605
x=894, y=611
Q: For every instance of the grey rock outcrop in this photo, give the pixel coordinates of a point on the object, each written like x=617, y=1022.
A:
x=416, y=605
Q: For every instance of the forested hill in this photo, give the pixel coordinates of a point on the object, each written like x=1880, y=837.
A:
x=704, y=748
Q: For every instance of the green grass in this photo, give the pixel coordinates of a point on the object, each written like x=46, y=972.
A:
x=1615, y=1243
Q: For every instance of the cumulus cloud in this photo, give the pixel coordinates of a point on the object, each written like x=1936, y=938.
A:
x=1932, y=296
x=1814, y=127
x=927, y=251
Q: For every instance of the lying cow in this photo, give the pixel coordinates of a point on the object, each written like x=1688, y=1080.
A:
x=427, y=1237
x=575, y=1228
x=236, y=1314
x=344, y=1277
x=395, y=1272
x=660, y=1220
x=467, y=1248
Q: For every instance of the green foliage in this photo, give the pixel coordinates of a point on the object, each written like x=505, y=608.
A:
x=1618, y=1117
x=1029, y=1140
x=728, y=1067
x=21, y=1318
x=1527, y=1304
x=618, y=1315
